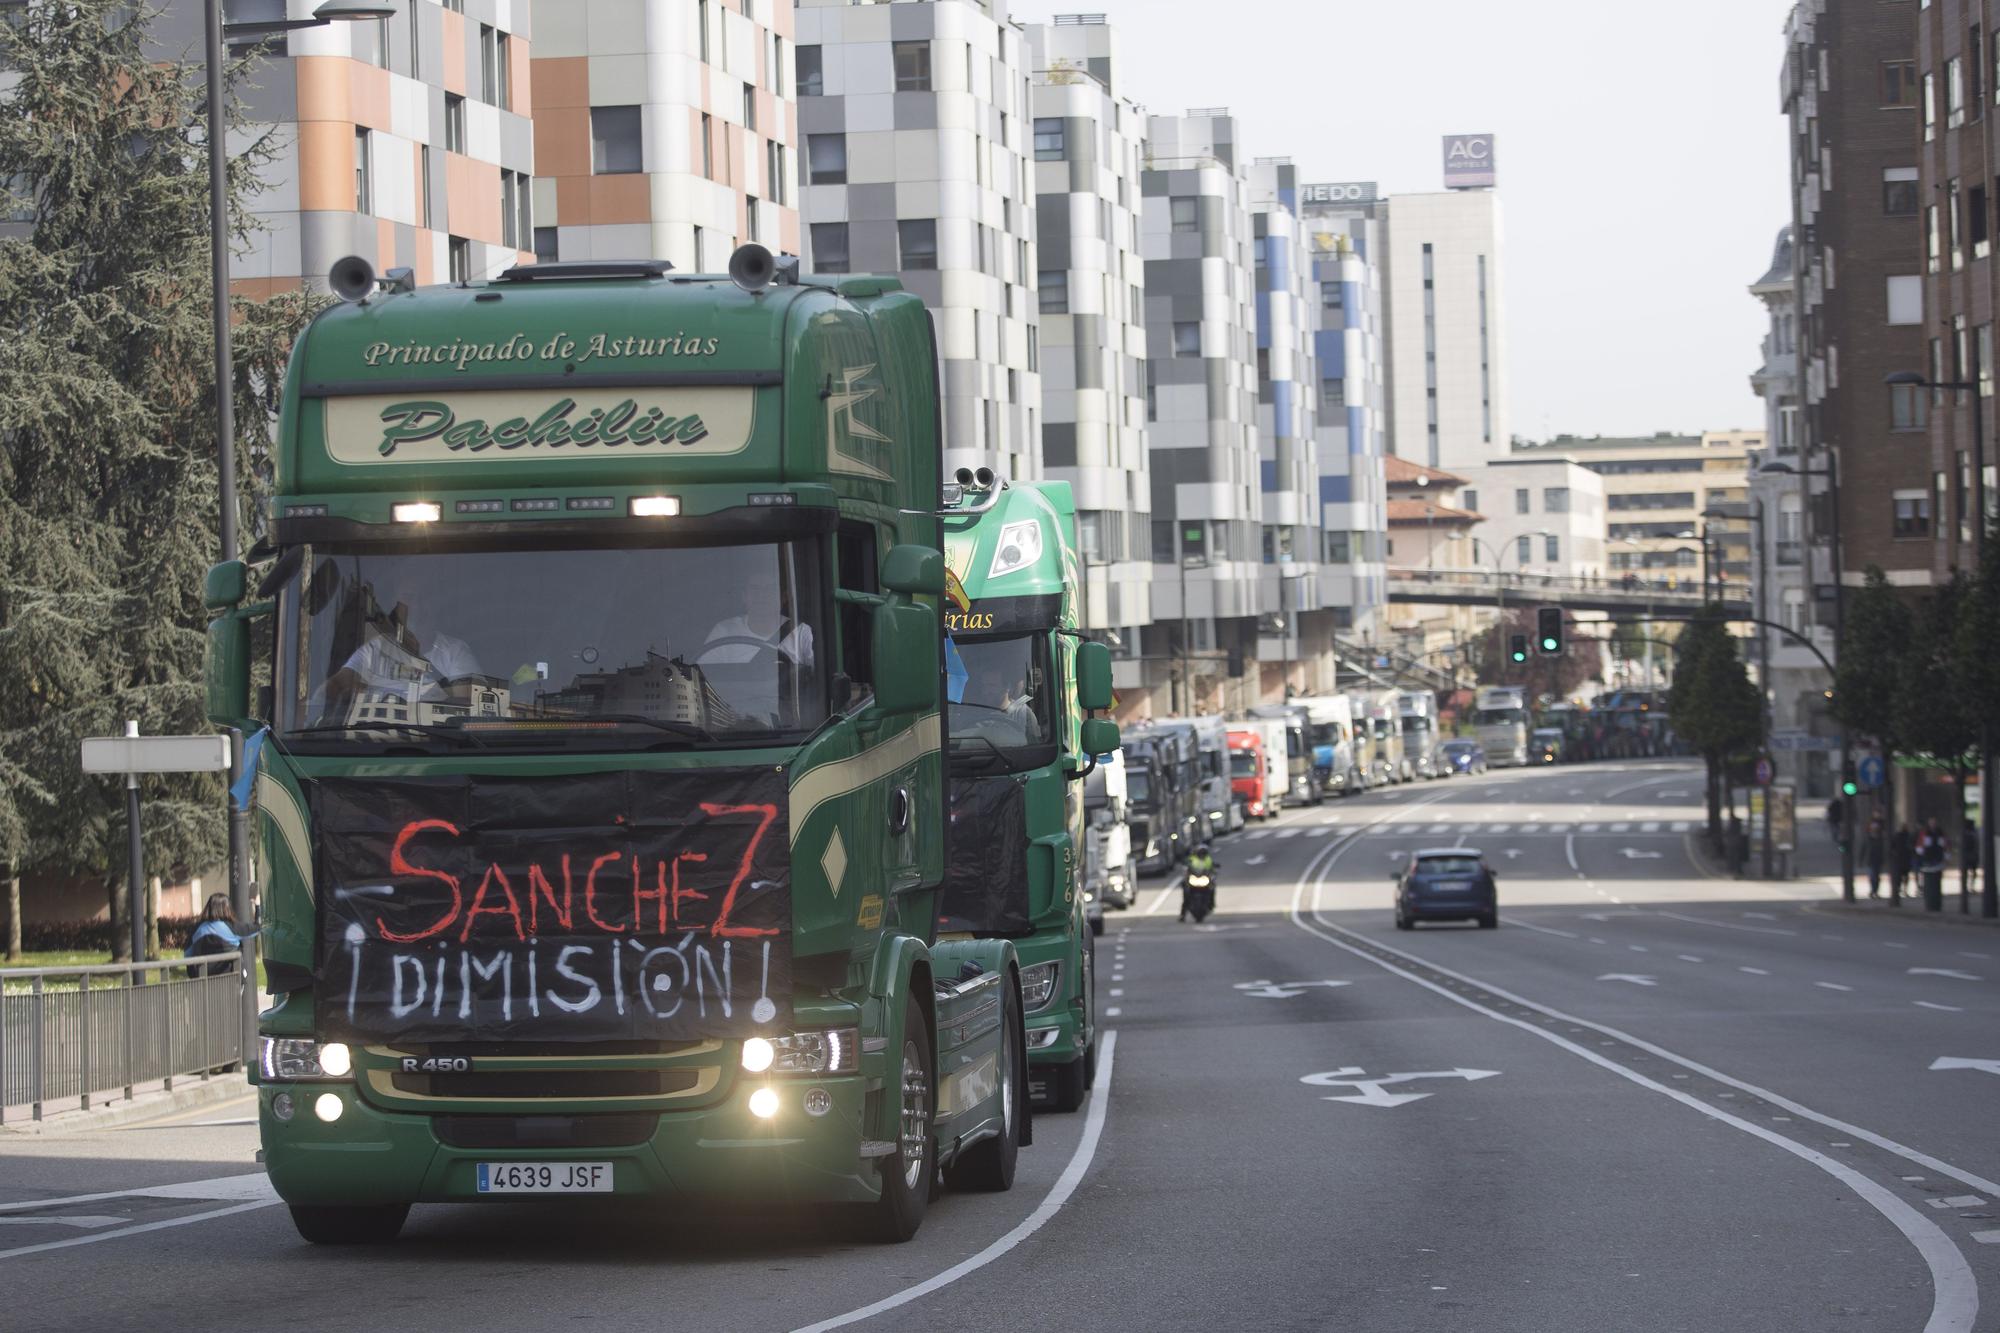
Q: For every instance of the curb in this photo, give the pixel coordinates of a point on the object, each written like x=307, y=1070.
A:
x=1950, y=916
x=144, y=1107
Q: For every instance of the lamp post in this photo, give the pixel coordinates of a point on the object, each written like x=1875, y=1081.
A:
x=1755, y=515
x=1989, y=887
x=218, y=33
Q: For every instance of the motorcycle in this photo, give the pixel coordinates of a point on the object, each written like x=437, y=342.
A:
x=1198, y=894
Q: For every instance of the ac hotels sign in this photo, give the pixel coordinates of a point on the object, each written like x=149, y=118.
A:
x=1469, y=161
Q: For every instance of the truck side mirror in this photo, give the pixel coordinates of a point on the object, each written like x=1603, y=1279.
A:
x=915, y=571
x=906, y=655
x=225, y=585
x=228, y=668
x=1100, y=736
x=1093, y=682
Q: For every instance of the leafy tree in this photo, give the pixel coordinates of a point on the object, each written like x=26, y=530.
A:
x=1557, y=677
x=1931, y=715
x=1714, y=705
x=107, y=430
x=1869, y=675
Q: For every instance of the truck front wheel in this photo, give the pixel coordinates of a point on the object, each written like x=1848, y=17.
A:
x=376, y=1225
x=1067, y=1084
x=906, y=1173
x=990, y=1165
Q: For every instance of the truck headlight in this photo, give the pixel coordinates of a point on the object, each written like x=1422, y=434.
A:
x=1020, y=546
x=1038, y=985
x=298, y=1060
x=820, y=1051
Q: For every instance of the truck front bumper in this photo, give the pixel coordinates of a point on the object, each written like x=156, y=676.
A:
x=720, y=1151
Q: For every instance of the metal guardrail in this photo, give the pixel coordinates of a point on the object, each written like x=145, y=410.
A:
x=64, y=1038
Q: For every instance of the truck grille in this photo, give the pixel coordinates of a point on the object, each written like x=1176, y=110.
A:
x=552, y=1083
x=544, y=1131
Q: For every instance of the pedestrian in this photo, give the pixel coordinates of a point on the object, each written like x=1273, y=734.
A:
x=1933, y=850
x=1874, y=850
x=216, y=933
x=1902, y=852
x=1835, y=812
x=1968, y=861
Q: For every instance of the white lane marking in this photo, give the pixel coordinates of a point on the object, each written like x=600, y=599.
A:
x=1987, y=1237
x=1681, y=826
x=1650, y=826
x=1950, y=972
x=1960, y=1062
x=1728, y=925
x=1116, y=992
x=1632, y=977
x=1588, y=828
x=97, y=1236
x=1558, y=828
x=1569, y=850
x=1407, y=831
x=1760, y=916
x=1437, y=828
x=1638, y=948
x=1831, y=985
x=1595, y=940
x=1113, y=1012
x=84, y=1221
x=1621, y=828
x=244, y=1188
x=1166, y=890
x=1257, y=860
x=1684, y=957
x=1891, y=944
x=1671, y=777
x=1954, y=1290
x=1754, y=971
x=1529, y=828
x=1943, y=1008
x=1973, y=953
x=1065, y=1186
x=1958, y=1201
x=1498, y=828
x=1261, y=833
x=1540, y=930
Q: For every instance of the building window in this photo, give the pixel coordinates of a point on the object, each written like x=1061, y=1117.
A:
x=510, y=204
x=364, y=185
x=826, y=159
x=1332, y=296
x=1899, y=191
x=829, y=247
x=1049, y=142
x=1521, y=500
x=1333, y=395
x=1185, y=214
x=1906, y=299
x=1912, y=514
x=424, y=184
x=1954, y=93
x=707, y=146
x=1899, y=83
x=459, y=254
x=1052, y=287
x=493, y=72
x=1555, y=500
x=1187, y=339
x=810, y=68
x=775, y=184
x=1974, y=63
x=750, y=218
x=1469, y=501
x=1956, y=223
x=913, y=66
x=616, y=141
x=749, y=106
x=1978, y=230
x=546, y=250
x=454, y=123
x=1931, y=238
x=1930, y=107
x=1524, y=549
x=1551, y=548
x=371, y=41
x=1909, y=407
x=916, y=243
x=1982, y=359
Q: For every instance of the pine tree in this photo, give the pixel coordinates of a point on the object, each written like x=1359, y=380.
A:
x=1714, y=705
x=1869, y=675
x=107, y=470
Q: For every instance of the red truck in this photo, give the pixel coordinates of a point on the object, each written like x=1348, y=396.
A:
x=1249, y=775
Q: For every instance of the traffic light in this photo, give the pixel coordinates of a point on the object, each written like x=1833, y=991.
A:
x=1848, y=785
x=1517, y=647
x=1549, y=631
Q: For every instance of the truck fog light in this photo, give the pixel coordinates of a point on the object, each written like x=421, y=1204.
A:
x=328, y=1106
x=758, y=1054
x=281, y=1106
x=764, y=1103
x=818, y=1101
x=335, y=1059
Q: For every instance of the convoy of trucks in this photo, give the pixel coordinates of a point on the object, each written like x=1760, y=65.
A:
x=604, y=830
x=1500, y=725
x=1302, y=780
x=1220, y=811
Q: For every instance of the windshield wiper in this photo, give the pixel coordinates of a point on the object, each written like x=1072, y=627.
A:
x=429, y=729
x=690, y=730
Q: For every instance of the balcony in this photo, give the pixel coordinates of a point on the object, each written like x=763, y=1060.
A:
x=1788, y=553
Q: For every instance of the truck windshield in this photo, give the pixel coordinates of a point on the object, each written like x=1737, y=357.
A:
x=1242, y=764
x=1138, y=786
x=715, y=642
x=1412, y=724
x=1499, y=717
x=1001, y=695
x=1384, y=728
x=1326, y=733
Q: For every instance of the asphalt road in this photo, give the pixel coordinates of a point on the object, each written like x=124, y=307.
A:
x=1650, y=1100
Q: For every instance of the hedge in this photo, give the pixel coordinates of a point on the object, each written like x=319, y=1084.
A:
x=82, y=936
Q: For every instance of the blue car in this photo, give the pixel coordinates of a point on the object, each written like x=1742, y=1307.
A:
x=1465, y=756
x=1446, y=884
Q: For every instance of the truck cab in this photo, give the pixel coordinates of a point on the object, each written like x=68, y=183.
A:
x=1159, y=771
x=1249, y=774
x=1208, y=740
x=1303, y=784
x=1111, y=869
x=601, y=816
x=1418, y=712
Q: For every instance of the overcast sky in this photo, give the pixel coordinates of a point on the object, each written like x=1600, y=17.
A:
x=1641, y=164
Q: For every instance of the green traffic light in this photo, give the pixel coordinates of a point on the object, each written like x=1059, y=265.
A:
x=1548, y=645
x=1849, y=789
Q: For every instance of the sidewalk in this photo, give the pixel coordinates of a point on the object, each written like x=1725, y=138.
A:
x=111, y=1111
x=1817, y=865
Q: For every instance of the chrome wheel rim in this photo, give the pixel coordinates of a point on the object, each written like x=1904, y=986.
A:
x=916, y=1116
x=1007, y=1090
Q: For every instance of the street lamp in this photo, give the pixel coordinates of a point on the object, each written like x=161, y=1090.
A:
x=1989, y=887
x=225, y=383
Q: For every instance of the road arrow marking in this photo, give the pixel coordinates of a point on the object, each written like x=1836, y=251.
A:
x=1941, y=1008
x=1513, y=852
x=1960, y=1062
x=1632, y=977
x=1634, y=854
x=1374, y=1091
x=1760, y=916
x=1951, y=972
x=1257, y=860
x=1282, y=990
x=1210, y=930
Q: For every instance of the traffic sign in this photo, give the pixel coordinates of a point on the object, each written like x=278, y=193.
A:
x=1871, y=770
x=156, y=754
x=1764, y=772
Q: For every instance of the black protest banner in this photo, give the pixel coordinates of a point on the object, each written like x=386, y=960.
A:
x=578, y=907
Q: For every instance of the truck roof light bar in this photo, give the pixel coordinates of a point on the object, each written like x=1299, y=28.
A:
x=574, y=270
x=418, y=511
x=656, y=506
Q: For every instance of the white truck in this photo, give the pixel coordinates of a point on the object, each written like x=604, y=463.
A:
x=1418, y=712
x=1337, y=751
x=1500, y=724
x=1220, y=811
x=1111, y=874
x=1386, y=729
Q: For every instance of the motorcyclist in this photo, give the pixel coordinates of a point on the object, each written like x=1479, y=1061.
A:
x=1200, y=861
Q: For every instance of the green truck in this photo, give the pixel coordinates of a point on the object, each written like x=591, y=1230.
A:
x=1022, y=683
x=601, y=769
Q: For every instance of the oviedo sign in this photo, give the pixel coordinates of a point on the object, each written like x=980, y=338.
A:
x=592, y=907
x=398, y=428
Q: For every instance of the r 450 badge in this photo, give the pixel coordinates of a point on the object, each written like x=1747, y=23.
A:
x=436, y=1064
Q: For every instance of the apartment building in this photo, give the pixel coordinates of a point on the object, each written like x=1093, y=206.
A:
x=1295, y=634
x=1346, y=226
x=1090, y=299
x=407, y=141
x=1430, y=530
x=1542, y=513
x=916, y=118
x=1446, y=329
x=1201, y=384
x=664, y=129
x=1859, y=120
x=1957, y=72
